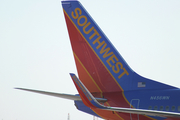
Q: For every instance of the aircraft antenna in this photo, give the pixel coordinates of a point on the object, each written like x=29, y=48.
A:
x=68, y=116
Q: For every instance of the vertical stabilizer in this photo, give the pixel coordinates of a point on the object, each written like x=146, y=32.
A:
x=100, y=67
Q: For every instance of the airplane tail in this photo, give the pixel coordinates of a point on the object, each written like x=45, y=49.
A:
x=100, y=67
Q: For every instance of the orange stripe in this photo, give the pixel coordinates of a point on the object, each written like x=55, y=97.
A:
x=87, y=72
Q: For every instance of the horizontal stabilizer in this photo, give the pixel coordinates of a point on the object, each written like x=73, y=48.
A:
x=91, y=102
x=61, y=95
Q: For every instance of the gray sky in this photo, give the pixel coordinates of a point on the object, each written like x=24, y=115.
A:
x=35, y=50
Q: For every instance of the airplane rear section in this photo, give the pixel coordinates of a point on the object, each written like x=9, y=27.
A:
x=101, y=68
x=107, y=86
x=147, y=99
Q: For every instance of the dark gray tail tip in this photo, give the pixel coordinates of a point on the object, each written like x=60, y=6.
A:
x=18, y=88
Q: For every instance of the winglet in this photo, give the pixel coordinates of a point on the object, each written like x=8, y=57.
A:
x=85, y=95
